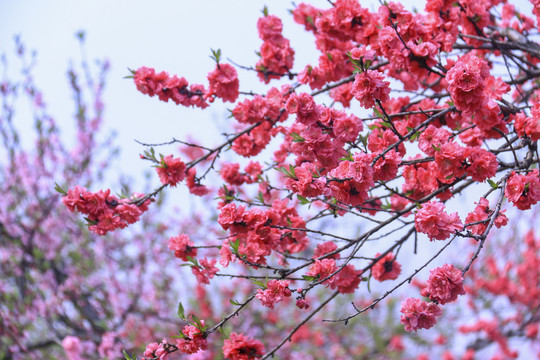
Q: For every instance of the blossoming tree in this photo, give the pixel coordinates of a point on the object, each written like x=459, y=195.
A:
x=322, y=214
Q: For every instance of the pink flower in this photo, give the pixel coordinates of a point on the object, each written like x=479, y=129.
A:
x=325, y=248
x=72, y=347
x=449, y=161
x=205, y=271
x=194, y=185
x=322, y=269
x=156, y=351
x=306, y=183
x=277, y=56
x=481, y=213
x=528, y=126
x=481, y=164
x=240, y=347
x=342, y=94
x=231, y=174
x=276, y=291
x=418, y=314
x=523, y=190
x=350, y=181
x=182, y=247
x=302, y=304
x=369, y=86
x=347, y=280
x=193, y=341
x=223, y=83
x=444, y=285
x=386, y=168
x=386, y=268
x=466, y=83
x=128, y=212
x=171, y=171
x=432, y=220
x=168, y=87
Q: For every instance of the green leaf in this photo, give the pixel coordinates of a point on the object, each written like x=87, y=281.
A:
x=181, y=311
x=493, y=184
x=234, y=302
x=234, y=246
x=259, y=283
x=377, y=113
x=193, y=261
x=265, y=10
x=126, y=355
x=197, y=322
x=310, y=278
x=59, y=189
x=303, y=200
x=216, y=55
x=415, y=136
x=296, y=137
x=386, y=124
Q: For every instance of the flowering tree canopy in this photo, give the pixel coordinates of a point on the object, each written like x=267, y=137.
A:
x=353, y=198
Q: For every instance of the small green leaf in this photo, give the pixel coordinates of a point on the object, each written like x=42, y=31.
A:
x=216, y=55
x=386, y=124
x=126, y=355
x=181, y=311
x=415, y=136
x=259, y=283
x=302, y=200
x=296, y=137
x=234, y=302
x=493, y=184
x=59, y=189
x=310, y=278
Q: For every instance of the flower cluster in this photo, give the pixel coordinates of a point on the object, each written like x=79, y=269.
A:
x=169, y=87
x=445, y=284
x=171, y=170
x=386, y=268
x=105, y=212
x=241, y=347
x=480, y=216
x=432, y=220
x=205, y=270
x=223, y=83
x=523, y=190
x=276, y=291
x=265, y=111
x=346, y=280
x=257, y=233
x=182, y=247
x=418, y=314
x=193, y=340
x=369, y=86
x=277, y=56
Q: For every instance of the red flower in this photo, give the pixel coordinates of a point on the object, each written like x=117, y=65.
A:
x=171, y=171
x=432, y=220
x=386, y=268
x=240, y=347
x=418, y=314
x=444, y=285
